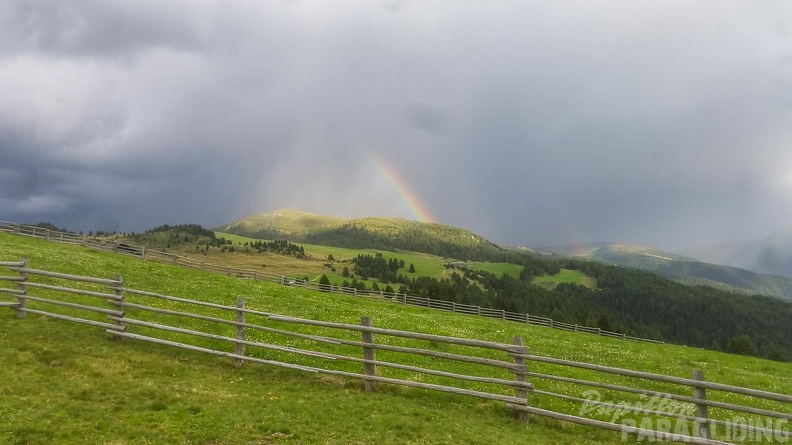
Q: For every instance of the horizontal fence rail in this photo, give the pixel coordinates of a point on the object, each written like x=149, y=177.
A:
x=119, y=320
x=688, y=412
x=325, y=347
x=410, y=300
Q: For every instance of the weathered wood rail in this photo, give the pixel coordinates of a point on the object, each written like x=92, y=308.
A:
x=423, y=302
x=127, y=313
x=122, y=315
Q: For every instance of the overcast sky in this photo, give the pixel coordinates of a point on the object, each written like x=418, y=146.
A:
x=663, y=123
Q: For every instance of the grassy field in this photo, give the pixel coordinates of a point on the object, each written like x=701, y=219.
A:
x=425, y=264
x=66, y=383
x=313, y=267
x=498, y=268
x=567, y=276
x=297, y=226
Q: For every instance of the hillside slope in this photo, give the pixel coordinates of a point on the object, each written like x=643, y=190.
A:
x=131, y=392
x=371, y=233
x=771, y=255
x=680, y=268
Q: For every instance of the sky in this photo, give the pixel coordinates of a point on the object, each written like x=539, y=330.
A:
x=664, y=123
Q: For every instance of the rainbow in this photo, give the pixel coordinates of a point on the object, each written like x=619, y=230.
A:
x=404, y=191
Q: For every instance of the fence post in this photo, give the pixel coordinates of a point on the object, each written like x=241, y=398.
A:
x=143, y=253
x=503, y=314
x=228, y=271
x=453, y=307
x=283, y=280
x=575, y=327
x=240, y=332
x=478, y=310
x=84, y=239
x=520, y=376
x=22, y=285
x=117, y=304
x=46, y=235
x=370, y=369
x=174, y=258
x=702, y=427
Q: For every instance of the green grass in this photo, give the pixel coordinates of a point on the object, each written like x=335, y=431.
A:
x=498, y=268
x=425, y=264
x=313, y=266
x=286, y=221
x=567, y=276
x=236, y=239
x=390, y=233
x=64, y=383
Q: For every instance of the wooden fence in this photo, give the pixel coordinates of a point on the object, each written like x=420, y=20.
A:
x=424, y=302
x=235, y=331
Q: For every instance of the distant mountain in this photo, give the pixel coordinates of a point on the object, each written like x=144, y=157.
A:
x=772, y=255
x=282, y=223
x=372, y=233
x=679, y=268
x=624, y=254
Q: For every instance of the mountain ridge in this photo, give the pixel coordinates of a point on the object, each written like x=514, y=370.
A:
x=369, y=232
x=770, y=255
x=437, y=239
x=680, y=268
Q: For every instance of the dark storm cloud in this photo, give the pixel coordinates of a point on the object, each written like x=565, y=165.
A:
x=664, y=122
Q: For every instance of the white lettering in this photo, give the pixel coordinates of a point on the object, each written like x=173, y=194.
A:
x=779, y=429
x=591, y=403
x=739, y=429
x=646, y=424
x=762, y=430
x=681, y=428
x=630, y=428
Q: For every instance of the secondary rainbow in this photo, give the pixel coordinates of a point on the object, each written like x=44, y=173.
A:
x=404, y=190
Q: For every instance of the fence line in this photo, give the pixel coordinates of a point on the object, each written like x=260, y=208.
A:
x=410, y=300
x=119, y=321
x=123, y=315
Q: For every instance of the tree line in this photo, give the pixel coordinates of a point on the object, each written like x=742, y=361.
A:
x=191, y=229
x=282, y=247
x=377, y=267
x=440, y=241
x=629, y=301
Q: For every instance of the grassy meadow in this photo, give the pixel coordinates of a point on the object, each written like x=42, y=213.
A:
x=314, y=266
x=498, y=268
x=66, y=383
x=567, y=276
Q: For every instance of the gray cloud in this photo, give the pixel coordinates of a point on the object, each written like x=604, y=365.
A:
x=664, y=123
